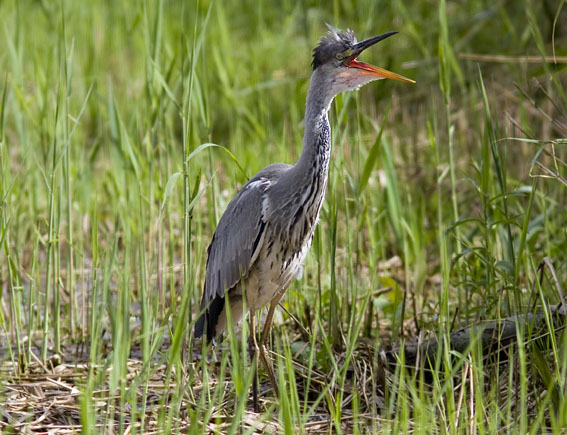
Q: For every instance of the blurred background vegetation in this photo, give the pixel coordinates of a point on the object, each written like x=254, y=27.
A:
x=447, y=193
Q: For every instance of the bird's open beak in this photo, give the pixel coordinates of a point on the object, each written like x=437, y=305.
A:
x=371, y=69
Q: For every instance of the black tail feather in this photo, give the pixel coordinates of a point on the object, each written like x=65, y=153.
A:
x=209, y=319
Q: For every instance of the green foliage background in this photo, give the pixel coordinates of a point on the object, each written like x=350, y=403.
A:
x=449, y=192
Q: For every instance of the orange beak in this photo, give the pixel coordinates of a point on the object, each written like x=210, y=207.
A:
x=376, y=71
x=366, y=68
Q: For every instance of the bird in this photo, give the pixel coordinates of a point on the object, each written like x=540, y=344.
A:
x=263, y=237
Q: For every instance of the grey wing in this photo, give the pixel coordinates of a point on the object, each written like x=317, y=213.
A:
x=233, y=249
x=236, y=241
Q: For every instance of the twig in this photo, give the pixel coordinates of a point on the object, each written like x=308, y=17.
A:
x=497, y=58
x=549, y=264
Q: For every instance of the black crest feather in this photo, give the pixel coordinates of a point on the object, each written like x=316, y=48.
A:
x=336, y=41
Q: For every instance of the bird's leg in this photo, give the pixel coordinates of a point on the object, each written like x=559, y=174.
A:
x=265, y=334
x=254, y=360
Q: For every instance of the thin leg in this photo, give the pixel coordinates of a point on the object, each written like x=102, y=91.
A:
x=262, y=348
x=254, y=360
x=269, y=318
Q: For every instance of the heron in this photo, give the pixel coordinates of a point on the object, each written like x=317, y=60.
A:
x=261, y=241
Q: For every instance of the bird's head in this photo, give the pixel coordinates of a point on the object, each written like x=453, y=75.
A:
x=336, y=56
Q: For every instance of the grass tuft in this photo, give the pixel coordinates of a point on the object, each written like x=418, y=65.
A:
x=125, y=130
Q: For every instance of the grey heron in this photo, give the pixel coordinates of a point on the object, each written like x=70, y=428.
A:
x=264, y=235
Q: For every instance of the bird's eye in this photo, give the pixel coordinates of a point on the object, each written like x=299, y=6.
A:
x=340, y=56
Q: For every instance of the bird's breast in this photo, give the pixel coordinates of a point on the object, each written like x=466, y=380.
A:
x=291, y=218
x=278, y=264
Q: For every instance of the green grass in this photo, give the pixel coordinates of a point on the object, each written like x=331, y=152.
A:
x=127, y=127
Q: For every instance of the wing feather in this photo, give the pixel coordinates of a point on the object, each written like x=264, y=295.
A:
x=236, y=243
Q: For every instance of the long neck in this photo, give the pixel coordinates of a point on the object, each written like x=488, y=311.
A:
x=317, y=138
x=300, y=192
